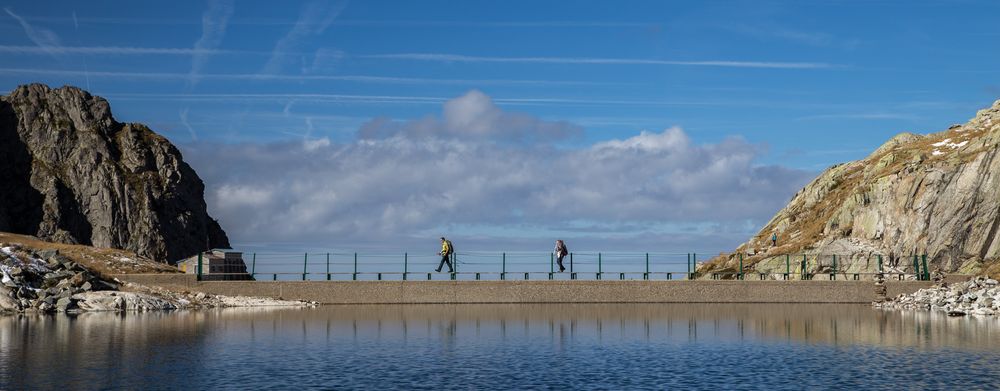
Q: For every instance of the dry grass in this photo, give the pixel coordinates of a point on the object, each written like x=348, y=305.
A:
x=102, y=261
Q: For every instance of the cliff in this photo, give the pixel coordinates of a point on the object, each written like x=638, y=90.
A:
x=70, y=173
x=937, y=194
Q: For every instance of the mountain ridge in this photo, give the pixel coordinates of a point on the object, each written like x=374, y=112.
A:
x=73, y=174
x=936, y=194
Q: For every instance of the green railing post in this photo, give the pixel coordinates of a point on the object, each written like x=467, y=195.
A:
x=305, y=266
x=741, y=265
x=599, y=269
x=647, y=265
x=880, y=263
x=788, y=265
x=253, y=264
x=503, y=267
x=552, y=258
x=802, y=271
x=571, y=264
x=927, y=273
x=694, y=265
x=834, y=266
x=916, y=267
x=328, y=266
x=199, y=266
x=406, y=261
x=687, y=265
x=355, y=275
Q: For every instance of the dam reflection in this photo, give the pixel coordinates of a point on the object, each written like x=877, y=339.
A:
x=413, y=346
x=801, y=323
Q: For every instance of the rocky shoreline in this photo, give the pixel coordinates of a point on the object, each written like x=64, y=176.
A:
x=978, y=296
x=45, y=281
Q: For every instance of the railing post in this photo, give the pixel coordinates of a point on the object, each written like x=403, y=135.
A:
x=199, y=265
x=788, y=265
x=880, y=263
x=694, y=265
x=802, y=271
x=355, y=275
x=741, y=265
x=552, y=268
x=305, y=266
x=406, y=261
x=328, y=266
x=916, y=267
x=571, y=264
x=253, y=265
x=834, y=266
x=454, y=262
x=599, y=268
x=927, y=274
x=503, y=267
x=646, y=276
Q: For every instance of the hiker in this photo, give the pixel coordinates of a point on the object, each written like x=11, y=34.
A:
x=561, y=252
x=445, y=255
x=774, y=239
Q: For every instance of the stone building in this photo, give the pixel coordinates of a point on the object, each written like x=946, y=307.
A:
x=218, y=264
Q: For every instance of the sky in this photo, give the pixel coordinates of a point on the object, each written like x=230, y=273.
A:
x=641, y=126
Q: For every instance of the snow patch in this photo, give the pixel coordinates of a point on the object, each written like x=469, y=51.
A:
x=942, y=142
x=937, y=153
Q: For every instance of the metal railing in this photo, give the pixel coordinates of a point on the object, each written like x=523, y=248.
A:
x=479, y=265
x=469, y=266
x=809, y=266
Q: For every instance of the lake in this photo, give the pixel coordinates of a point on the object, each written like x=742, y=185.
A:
x=523, y=346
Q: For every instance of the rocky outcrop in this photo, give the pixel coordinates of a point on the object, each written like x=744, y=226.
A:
x=937, y=195
x=46, y=281
x=978, y=296
x=71, y=173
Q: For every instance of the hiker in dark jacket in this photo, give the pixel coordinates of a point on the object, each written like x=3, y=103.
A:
x=561, y=252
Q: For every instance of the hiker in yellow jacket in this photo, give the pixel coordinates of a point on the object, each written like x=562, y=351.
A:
x=445, y=255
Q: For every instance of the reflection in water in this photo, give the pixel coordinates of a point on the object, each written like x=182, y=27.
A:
x=502, y=346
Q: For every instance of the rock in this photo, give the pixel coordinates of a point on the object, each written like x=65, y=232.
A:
x=71, y=173
x=16, y=271
x=65, y=304
x=121, y=301
x=200, y=296
x=8, y=303
x=86, y=286
x=900, y=201
x=46, y=254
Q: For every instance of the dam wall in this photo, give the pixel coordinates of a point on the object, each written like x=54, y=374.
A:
x=537, y=291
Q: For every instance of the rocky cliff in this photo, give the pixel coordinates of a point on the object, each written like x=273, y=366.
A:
x=937, y=194
x=71, y=173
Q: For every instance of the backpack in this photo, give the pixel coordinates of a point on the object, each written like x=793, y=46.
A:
x=451, y=248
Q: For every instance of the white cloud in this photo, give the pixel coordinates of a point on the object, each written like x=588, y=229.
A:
x=213, y=29
x=473, y=116
x=313, y=20
x=441, y=57
x=427, y=176
x=46, y=39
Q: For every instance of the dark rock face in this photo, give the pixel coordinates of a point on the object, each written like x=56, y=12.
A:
x=71, y=173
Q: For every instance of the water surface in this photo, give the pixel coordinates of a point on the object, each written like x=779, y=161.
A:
x=585, y=346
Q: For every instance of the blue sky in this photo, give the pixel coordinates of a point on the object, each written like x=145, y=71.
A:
x=741, y=102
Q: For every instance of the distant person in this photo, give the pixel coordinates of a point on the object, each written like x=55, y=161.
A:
x=561, y=252
x=774, y=239
x=445, y=256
